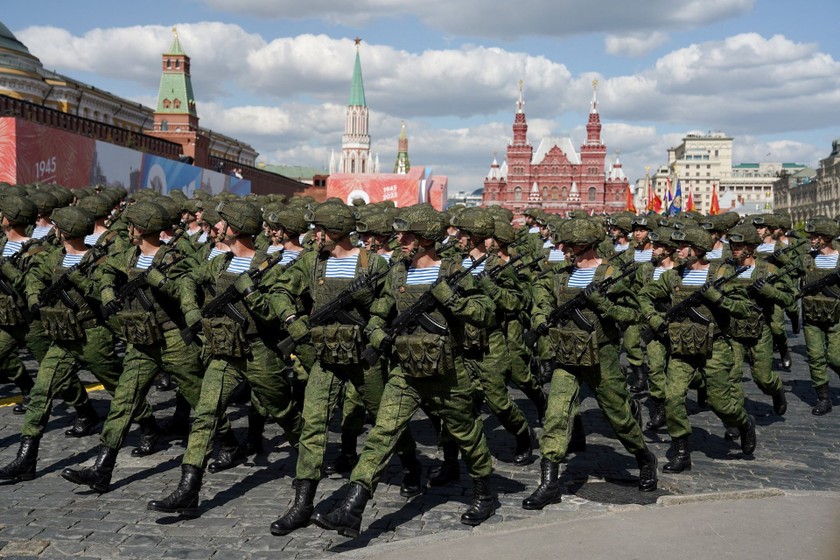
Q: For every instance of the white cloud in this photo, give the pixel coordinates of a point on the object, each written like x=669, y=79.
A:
x=634, y=44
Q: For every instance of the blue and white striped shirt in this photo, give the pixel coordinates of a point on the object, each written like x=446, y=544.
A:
x=144, y=262
x=766, y=248
x=556, y=255
x=620, y=248
x=747, y=274
x=11, y=248
x=41, y=232
x=714, y=254
x=657, y=272
x=644, y=255
x=826, y=261
x=215, y=252
x=238, y=265
x=694, y=277
x=534, y=229
x=344, y=267
x=419, y=276
x=90, y=240
x=582, y=277
x=548, y=244
x=288, y=257
x=271, y=249
x=70, y=260
x=468, y=262
x=202, y=238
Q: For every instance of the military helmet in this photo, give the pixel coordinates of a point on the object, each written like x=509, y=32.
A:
x=744, y=233
x=242, y=216
x=714, y=223
x=333, y=216
x=662, y=236
x=785, y=221
x=503, y=231
x=177, y=195
x=73, y=221
x=14, y=189
x=211, y=217
x=695, y=236
x=823, y=226
x=147, y=216
x=770, y=221
x=63, y=194
x=647, y=222
x=624, y=222
x=173, y=208
x=191, y=205
x=729, y=219
x=532, y=211
x=376, y=223
x=474, y=221
x=290, y=219
x=18, y=210
x=44, y=201
x=422, y=220
x=579, y=214
x=98, y=205
x=584, y=232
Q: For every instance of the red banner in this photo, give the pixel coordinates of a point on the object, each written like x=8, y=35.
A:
x=403, y=190
x=48, y=155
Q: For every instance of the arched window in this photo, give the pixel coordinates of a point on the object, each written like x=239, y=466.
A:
x=164, y=125
x=545, y=193
x=177, y=103
x=555, y=193
x=592, y=194
x=168, y=63
x=352, y=165
x=563, y=193
x=517, y=194
x=167, y=104
x=618, y=196
x=177, y=64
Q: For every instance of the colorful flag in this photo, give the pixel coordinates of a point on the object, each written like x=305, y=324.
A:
x=676, y=205
x=689, y=201
x=629, y=206
x=714, y=207
x=668, y=198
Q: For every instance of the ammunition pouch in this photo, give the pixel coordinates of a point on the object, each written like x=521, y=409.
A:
x=424, y=355
x=62, y=324
x=139, y=327
x=10, y=314
x=574, y=347
x=337, y=343
x=821, y=309
x=690, y=339
x=476, y=339
x=224, y=337
x=749, y=328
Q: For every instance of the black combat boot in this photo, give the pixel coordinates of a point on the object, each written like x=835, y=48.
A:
x=658, y=418
x=230, y=454
x=184, y=500
x=638, y=383
x=348, y=457
x=449, y=470
x=86, y=421
x=346, y=519
x=647, y=470
x=748, y=439
x=412, y=477
x=547, y=368
x=256, y=427
x=702, y=397
x=784, y=354
x=795, y=320
x=823, y=400
x=577, y=441
x=25, y=384
x=20, y=408
x=178, y=425
x=548, y=492
x=164, y=381
x=23, y=465
x=731, y=433
x=98, y=477
x=484, y=503
x=523, y=455
x=780, y=402
x=300, y=513
x=150, y=435
x=682, y=457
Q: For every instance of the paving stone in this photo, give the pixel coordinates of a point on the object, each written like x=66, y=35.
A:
x=25, y=548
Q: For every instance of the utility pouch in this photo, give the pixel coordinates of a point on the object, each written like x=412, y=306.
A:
x=574, y=347
x=690, y=339
x=337, y=343
x=61, y=324
x=476, y=339
x=224, y=337
x=139, y=327
x=9, y=313
x=749, y=328
x=821, y=309
x=424, y=355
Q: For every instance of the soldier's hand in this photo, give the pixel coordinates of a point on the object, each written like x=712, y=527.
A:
x=760, y=283
x=9, y=270
x=488, y=286
x=656, y=322
x=442, y=292
x=155, y=278
x=244, y=285
x=192, y=318
x=298, y=329
x=111, y=308
x=377, y=339
x=713, y=295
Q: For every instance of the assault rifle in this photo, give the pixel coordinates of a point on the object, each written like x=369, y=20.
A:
x=497, y=270
x=785, y=250
x=571, y=309
x=780, y=273
x=134, y=288
x=686, y=308
x=58, y=289
x=14, y=259
x=821, y=285
x=335, y=309
x=418, y=312
x=222, y=304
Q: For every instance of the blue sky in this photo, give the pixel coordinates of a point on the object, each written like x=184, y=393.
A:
x=276, y=73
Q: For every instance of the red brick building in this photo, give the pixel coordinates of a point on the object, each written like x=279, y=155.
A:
x=555, y=176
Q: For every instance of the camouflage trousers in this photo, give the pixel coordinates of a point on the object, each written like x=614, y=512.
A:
x=322, y=390
x=62, y=361
x=632, y=343
x=607, y=382
x=271, y=389
x=822, y=343
x=657, y=354
x=725, y=395
x=141, y=365
x=449, y=396
x=758, y=353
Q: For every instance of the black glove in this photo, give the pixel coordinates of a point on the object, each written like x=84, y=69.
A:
x=758, y=284
x=110, y=308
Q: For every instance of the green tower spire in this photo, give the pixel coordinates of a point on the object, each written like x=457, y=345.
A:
x=357, y=88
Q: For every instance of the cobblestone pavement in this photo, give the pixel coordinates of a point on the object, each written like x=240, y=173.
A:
x=51, y=518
